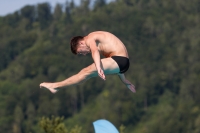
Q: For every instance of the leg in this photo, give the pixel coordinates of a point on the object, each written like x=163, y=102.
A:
x=127, y=83
x=109, y=66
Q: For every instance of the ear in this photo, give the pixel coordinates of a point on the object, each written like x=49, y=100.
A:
x=80, y=43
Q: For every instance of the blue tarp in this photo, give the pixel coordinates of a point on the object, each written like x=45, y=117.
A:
x=104, y=126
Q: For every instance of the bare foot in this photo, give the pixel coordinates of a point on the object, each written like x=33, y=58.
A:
x=132, y=88
x=49, y=86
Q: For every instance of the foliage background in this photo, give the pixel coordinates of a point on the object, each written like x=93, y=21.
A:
x=162, y=38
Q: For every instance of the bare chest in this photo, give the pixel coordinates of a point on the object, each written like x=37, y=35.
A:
x=104, y=50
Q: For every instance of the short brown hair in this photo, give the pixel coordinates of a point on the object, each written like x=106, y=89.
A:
x=74, y=43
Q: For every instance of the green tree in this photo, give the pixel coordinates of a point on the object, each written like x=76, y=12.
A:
x=57, y=12
x=31, y=119
x=44, y=15
x=99, y=3
x=56, y=125
x=68, y=11
x=18, y=118
x=28, y=12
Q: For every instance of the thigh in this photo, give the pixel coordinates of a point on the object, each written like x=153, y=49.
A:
x=109, y=67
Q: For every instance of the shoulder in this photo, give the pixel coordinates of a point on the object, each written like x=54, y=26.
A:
x=97, y=35
x=93, y=36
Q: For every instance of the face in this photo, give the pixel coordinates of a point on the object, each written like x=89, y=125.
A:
x=82, y=48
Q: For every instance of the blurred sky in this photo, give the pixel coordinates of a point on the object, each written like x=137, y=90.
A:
x=10, y=6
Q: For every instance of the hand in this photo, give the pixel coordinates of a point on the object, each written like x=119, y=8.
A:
x=131, y=87
x=101, y=74
x=49, y=86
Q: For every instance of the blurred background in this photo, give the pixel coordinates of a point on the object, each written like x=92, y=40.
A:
x=163, y=41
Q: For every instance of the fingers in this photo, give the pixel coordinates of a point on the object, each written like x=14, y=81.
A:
x=102, y=76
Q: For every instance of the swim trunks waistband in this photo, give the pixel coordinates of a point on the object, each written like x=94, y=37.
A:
x=123, y=63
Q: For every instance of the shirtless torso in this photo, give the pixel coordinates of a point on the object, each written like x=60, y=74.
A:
x=108, y=44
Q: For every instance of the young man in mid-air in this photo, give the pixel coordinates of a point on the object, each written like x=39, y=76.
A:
x=96, y=43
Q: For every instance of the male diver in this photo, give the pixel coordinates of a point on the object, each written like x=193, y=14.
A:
x=116, y=59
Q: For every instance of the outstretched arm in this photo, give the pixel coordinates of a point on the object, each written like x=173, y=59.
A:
x=127, y=83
